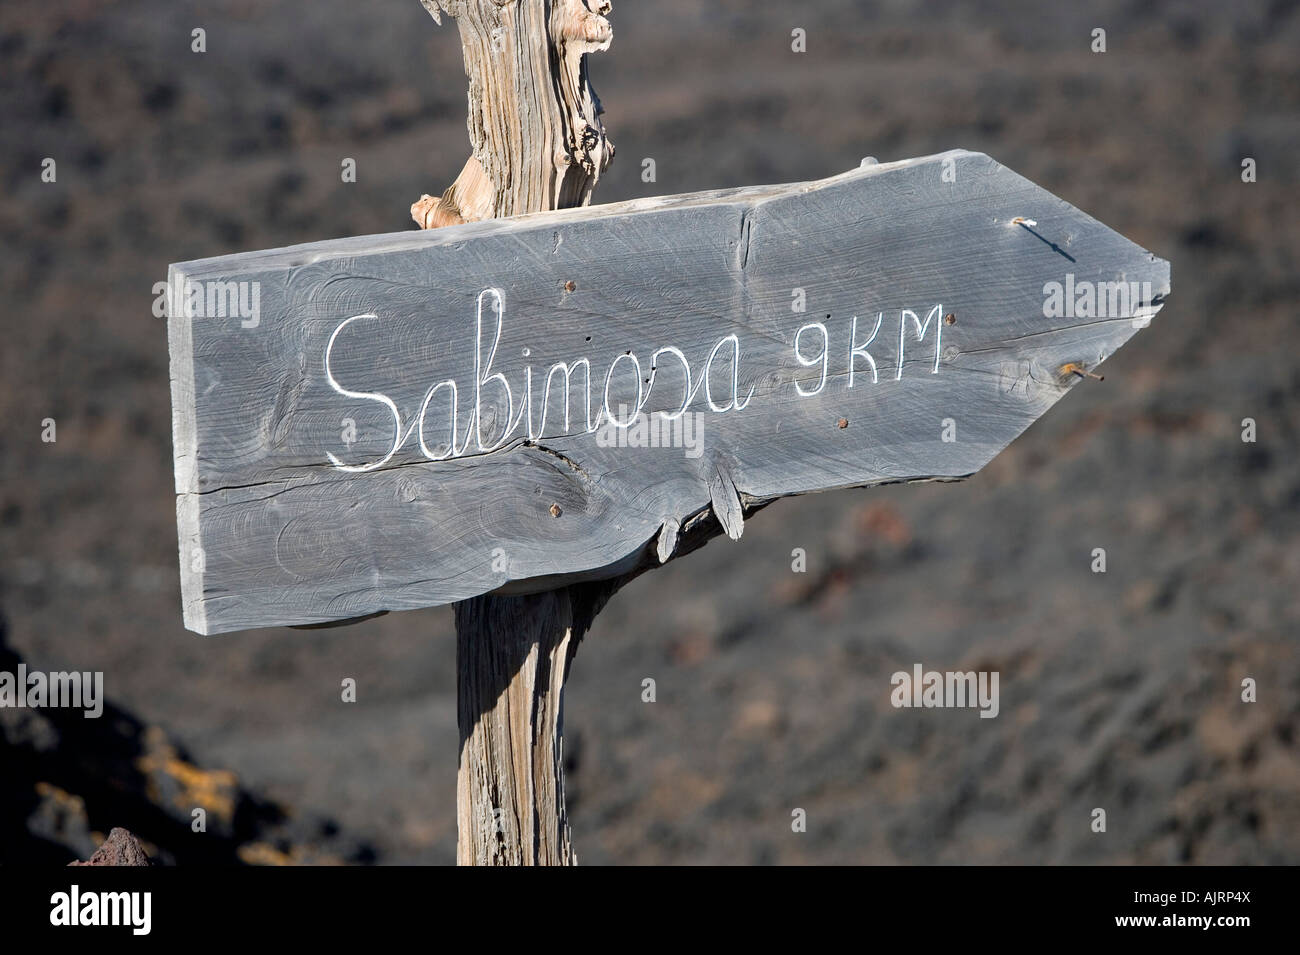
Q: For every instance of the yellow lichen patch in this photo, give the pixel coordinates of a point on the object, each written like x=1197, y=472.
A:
x=211, y=789
x=262, y=853
x=62, y=799
x=259, y=853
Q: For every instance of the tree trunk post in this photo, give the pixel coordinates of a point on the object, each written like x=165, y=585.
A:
x=538, y=144
x=512, y=657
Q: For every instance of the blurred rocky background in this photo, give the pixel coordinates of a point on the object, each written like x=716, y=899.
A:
x=1118, y=690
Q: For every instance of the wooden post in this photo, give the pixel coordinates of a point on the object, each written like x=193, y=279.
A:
x=538, y=144
x=512, y=657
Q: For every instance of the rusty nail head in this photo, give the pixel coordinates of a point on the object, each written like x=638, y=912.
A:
x=1074, y=368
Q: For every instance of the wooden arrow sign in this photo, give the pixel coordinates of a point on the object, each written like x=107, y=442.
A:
x=401, y=421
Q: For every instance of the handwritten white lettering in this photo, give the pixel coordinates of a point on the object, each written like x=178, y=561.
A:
x=449, y=424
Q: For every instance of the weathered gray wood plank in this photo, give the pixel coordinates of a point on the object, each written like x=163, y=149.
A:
x=270, y=411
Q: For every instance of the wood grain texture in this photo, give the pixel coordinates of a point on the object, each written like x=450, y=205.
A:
x=534, y=117
x=539, y=145
x=514, y=656
x=273, y=532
